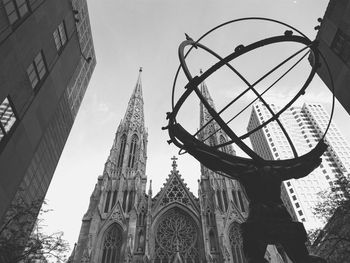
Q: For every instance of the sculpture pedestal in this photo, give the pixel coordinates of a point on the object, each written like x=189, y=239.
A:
x=291, y=235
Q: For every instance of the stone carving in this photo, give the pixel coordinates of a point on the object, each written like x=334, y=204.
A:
x=117, y=215
x=175, y=192
x=177, y=234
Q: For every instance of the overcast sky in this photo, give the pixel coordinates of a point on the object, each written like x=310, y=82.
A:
x=129, y=34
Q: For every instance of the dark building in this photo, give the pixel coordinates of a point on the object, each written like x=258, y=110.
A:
x=334, y=43
x=47, y=58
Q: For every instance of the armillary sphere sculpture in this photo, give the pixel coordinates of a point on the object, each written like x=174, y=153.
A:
x=268, y=221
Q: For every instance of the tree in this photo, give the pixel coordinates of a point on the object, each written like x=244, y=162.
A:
x=333, y=241
x=22, y=238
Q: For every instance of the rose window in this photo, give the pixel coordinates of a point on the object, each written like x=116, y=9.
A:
x=176, y=232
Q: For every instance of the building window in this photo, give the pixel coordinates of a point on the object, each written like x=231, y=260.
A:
x=60, y=36
x=107, y=201
x=36, y=71
x=112, y=244
x=132, y=153
x=15, y=9
x=122, y=151
x=341, y=46
x=241, y=201
x=7, y=118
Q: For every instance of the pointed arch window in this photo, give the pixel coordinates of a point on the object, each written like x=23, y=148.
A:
x=235, y=237
x=218, y=195
x=111, y=245
x=224, y=195
x=234, y=197
x=124, y=199
x=212, y=240
x=114, y=197
x=132, y=153
x=241, y=201
x=131, y=200
x=107, y=201
x=121, y=151
x=141, y=217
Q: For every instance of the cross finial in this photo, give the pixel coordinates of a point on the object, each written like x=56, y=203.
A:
x=200, y=71
x=174, y=165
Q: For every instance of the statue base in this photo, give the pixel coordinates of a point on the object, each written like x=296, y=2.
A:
x=291, y=235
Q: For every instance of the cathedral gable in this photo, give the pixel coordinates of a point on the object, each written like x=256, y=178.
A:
x=175, y=190
x=116, y=215
x=233, y=215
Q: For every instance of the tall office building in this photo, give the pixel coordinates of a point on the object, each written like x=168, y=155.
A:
x=305, y=126
x=47, y=59
x=125, y=223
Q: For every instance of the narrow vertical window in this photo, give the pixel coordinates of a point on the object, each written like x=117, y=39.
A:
x=36, y=71
x=218, y=195
x=124, y=199
x=107, y=201
x=224, y=195
x=341, y=46
x=132, y=152
x=114, y=197
x=131, y=200
x=60, y=36
x=7, y=118
x=241, y=201
x=121, y=151
x=234, y=197
x=212, y=240
x=15, y=9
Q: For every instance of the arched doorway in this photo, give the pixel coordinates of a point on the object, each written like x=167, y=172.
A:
x=111, y=245
x=177, y=238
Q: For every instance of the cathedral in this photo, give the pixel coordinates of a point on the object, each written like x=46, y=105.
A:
x=125, y=222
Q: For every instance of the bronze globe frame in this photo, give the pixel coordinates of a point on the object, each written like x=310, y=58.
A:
x=268, y=221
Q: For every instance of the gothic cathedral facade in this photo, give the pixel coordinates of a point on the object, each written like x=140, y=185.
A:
x=126, y=223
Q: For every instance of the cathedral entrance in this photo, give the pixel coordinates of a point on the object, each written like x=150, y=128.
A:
x=177, y=238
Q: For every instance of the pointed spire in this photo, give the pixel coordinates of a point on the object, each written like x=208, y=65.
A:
x=150, y=188
x=204, y=114
x=174, y=165
x=134, y=113
x=205, y=91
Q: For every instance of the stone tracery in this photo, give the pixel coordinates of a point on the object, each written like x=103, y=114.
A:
x=235, y=237
x=112, y=244
x=176, y=233
x=175, y=192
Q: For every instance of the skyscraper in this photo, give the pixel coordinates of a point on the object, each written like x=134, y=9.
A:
x=305, y=126
x=124, y=223
x=47, y=59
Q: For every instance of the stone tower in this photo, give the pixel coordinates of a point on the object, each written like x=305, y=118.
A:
x=125, y=224
x=118, y=192
x=223, y=204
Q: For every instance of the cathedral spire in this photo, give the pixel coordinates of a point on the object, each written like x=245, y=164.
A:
x=204, y=114
x=134, y=113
